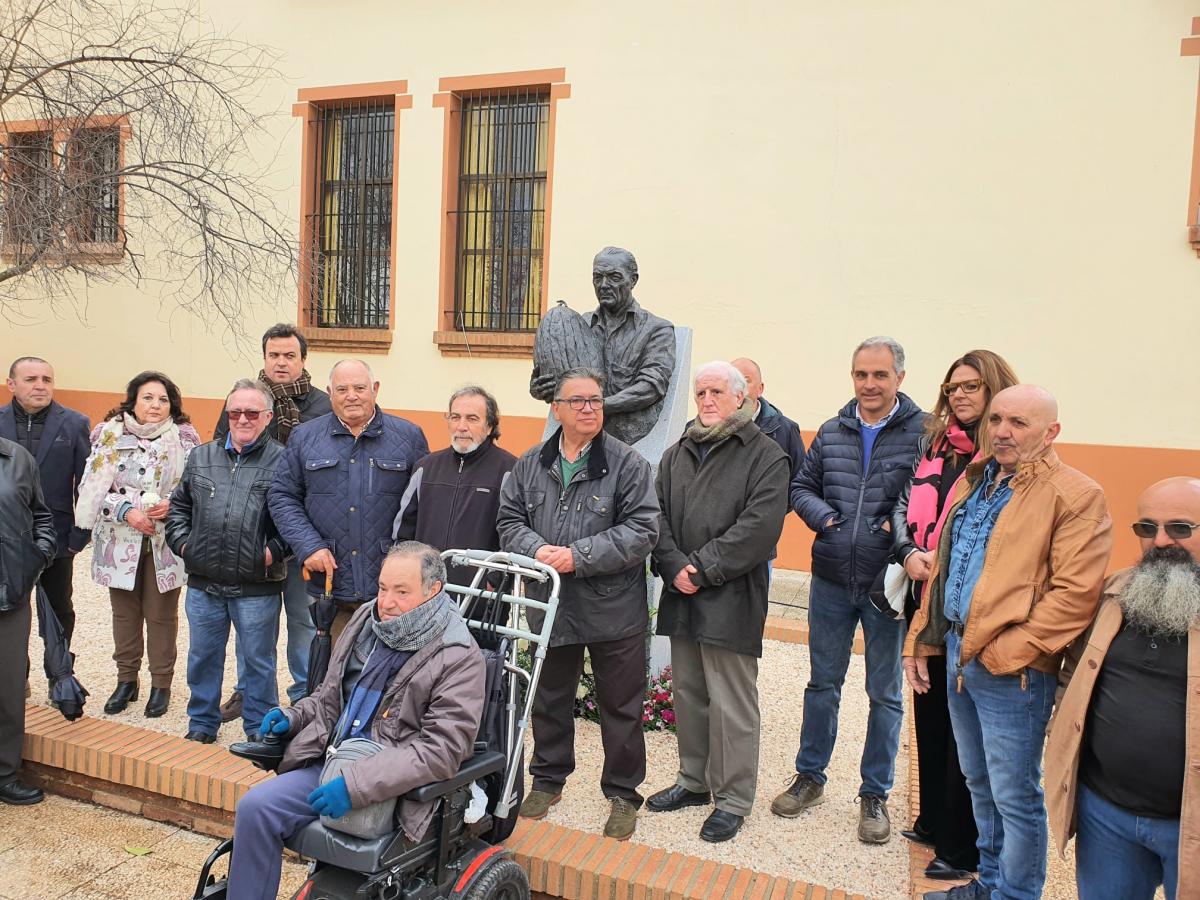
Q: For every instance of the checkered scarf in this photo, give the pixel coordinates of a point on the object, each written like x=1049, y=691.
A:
x=287, y=414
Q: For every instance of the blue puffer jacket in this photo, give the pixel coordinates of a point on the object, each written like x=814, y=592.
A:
x=831, y=484
x=334, y=492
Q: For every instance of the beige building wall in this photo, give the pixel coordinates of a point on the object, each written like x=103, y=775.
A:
x=792, y=177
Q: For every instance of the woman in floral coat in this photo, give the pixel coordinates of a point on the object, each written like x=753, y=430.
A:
x=137, y=458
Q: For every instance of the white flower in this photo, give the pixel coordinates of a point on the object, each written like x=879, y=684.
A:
x=149, y=498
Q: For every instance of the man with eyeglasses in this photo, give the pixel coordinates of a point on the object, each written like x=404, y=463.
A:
x=296, y=401
x=219, y=525
x=583, y=502
x=454, y=494
x=1017, y=576
x=1123, y=755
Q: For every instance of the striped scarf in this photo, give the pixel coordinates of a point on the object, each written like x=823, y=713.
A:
x=287, y=414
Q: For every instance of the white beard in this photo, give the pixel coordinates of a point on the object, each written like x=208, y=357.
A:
x=1162, y=596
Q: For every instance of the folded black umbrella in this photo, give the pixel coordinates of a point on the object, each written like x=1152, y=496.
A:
x=65, y=690
x=323, y=612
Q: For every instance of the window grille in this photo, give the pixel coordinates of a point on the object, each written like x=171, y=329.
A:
x=352, y=222
x=501, y=211
x=28, y=188
x=94, y=161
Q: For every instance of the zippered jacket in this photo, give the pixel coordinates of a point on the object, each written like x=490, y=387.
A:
x=1041, y=577
x=218, y=522
x=831, y=484
x=340, y=493
x=452, y=500
x=607, y=515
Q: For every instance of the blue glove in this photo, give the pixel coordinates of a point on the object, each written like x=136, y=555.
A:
x=274, y=722
x=331, y=799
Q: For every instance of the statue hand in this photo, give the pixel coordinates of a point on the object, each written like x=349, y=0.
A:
x=541, y=387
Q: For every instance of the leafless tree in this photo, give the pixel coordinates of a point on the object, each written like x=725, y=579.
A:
x=132, y=140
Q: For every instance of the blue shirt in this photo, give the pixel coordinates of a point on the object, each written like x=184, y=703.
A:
x=973, y=524
x=870, y=432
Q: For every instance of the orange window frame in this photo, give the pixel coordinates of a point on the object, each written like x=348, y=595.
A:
x=1190, y=46
x=307, y=109
x=449, y=98
x=106, y=252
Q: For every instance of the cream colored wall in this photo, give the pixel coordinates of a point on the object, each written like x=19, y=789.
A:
x=793, y=177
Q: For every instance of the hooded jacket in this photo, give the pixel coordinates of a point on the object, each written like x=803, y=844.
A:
x=831, y=484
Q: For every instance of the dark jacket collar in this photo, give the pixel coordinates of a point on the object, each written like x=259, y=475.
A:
x=40, y=416
x=257, y=444
x=906, y=410
x=374, y=427
x=597, y=461
x=469, y=459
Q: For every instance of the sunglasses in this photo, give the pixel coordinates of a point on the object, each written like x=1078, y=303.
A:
x=250, y=415
x=968, y=387
x=1176, y=531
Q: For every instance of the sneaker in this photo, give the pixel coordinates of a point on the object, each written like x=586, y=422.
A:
x=874, y=826
x=972, y=890
x=537, y=804
x=804, y=792
x=622, y=820
x=232, y=708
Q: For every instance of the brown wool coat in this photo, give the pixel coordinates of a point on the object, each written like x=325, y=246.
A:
x=1081, y=669
x=427, y=721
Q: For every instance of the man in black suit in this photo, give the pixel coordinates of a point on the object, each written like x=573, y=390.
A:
x=57, y=438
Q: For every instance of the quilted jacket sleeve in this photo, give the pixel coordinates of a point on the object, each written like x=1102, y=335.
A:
x=285, y=499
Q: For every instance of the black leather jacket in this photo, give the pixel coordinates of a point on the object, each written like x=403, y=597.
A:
x=27, y=540
x=219, y=525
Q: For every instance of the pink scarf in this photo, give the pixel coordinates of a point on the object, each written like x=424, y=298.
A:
x=925, y=520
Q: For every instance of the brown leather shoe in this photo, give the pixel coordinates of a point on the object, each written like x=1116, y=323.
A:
x=232, y=708
x=804, y=792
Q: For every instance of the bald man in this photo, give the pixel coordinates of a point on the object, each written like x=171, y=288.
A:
x=1017, y=577
x=1123, y=756
x=339, y=485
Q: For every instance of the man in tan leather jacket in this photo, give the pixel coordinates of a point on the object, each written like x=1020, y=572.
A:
x=1123, y=756
x=1017, y=577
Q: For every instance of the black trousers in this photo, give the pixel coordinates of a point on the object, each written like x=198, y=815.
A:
x=14, y=646
x=56, y=579
x=946, y=815
x=620, y=670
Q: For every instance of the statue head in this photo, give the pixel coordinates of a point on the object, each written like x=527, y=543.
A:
x=614, y=273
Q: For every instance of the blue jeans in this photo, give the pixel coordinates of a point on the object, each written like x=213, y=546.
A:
x=1119, y=854
x=833, y=613
x=256, y=623
x=1000, y=726
x=300, y=632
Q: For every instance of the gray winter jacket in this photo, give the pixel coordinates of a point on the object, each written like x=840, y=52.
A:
x=427, y=720
x=607, y=515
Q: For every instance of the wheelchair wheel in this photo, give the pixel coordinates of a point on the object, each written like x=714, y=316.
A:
x=502, y=880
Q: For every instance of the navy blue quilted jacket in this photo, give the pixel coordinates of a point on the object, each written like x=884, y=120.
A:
x=831, y=483
x=334, y=492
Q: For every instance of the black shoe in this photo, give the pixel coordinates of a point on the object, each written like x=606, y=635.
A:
x=917, y=837
x=972, y=890
x=200, y=737
x=160, y=699
x=126, y=693
x=16, y=794
x=720, y=826
x=676, y=797
x=940, y=870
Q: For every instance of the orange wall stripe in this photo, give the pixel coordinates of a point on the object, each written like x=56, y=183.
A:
x=1123, y=472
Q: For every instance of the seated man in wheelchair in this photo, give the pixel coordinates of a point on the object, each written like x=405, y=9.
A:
x=407, y=674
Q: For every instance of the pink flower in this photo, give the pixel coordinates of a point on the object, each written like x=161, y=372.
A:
x=668, y=716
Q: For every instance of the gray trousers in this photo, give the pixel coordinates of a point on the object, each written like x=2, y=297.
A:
x=717, y=717
x=267, y=814
x=14, y=656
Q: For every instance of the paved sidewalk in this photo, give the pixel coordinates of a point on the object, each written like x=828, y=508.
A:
x=64, y=848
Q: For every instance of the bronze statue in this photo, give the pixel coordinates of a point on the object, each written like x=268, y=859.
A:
x=637, y=350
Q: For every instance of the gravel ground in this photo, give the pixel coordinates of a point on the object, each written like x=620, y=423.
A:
x=820, y=846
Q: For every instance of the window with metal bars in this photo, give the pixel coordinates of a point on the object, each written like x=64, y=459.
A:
x=351, y=225
x=94, y=162
x=501, y=210
x=29, y=205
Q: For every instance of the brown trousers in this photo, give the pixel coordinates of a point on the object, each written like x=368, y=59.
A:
x=160, y=614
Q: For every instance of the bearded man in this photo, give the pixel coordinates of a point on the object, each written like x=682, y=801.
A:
x=1123, y=757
